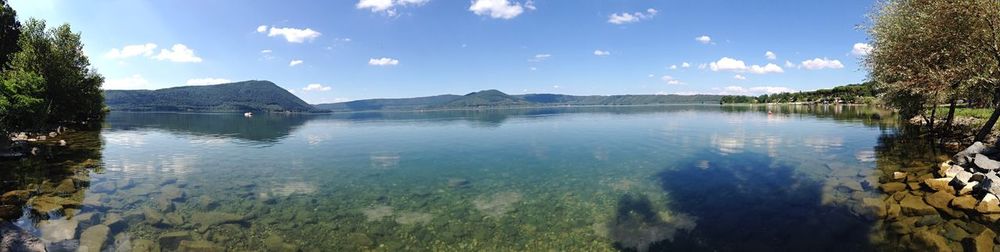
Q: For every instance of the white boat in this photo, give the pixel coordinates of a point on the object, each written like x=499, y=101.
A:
x=248, y=114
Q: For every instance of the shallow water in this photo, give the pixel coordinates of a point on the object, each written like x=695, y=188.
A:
x=698, y=177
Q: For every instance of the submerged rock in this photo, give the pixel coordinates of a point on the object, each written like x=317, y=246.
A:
x=13, y=238
x=93, y=239
x=143, y=245
x=206, y=220
x=940, y=184
x=58, y=230
x=171, y=241
x=925, y=240
x=198, y=246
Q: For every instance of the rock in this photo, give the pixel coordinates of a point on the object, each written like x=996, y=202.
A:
x=940, y=184
x=966, y=202
x=913, y=186
x=925, y=240
x=206, y=220
x=953, y=171
x=66, y=187
x=174, y=219
x=207, y=202
x=915, y=206
x=851, y=185
x=43, y=138
x=152, y=216
x=171, y=193
x=991, y=184
x=892, y=187
x=989, y=204
x=898, y=175
x=58, y=230
x=929, y=220
x=143, y=245
x=52, y=134
x=968, y=188
x=46, y=205
x=123, y=242
x=13, y=238
x=276, y=243
x=953, y=232
x=15, y=197
x=458, y=182
x=983, y=242
x=105, y=187
x=198, y=246
x=940, y=200
x=978, y=177
x=963, y=177
x=893, y=211
x=93, y=239
x=966, y=155
x=10, y=212
x=171, y=241
x=874, y=207
x=115, y=222
x=985, y=163
x=94, y=200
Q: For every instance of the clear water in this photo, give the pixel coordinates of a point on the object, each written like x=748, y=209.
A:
x=697, y=177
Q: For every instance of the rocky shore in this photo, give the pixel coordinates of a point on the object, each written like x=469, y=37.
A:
x=954, y=206
x=21, y=145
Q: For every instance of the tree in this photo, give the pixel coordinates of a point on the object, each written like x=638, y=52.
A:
x=922, y=53
x=10, y=30
x=72, y=88
x=20, y=105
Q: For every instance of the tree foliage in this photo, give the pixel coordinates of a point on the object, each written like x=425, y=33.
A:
x=852, y=93
x=48, y=79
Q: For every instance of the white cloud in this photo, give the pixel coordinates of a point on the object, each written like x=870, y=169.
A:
x=625, y=17
x=316, y=87
x=770, y=55
x=207, y=81
x=734, y=65
x=295, y=63
x=738, y=90
x=540, y=57
x=601, y=53
x=728, y=64
x=789, y=64
x=685, y=65
x=293, y=35
x=817, y=64
x=530, y=4
x=261, y=28
x=132, y=82
x=178, y=53
x=704, y=39
x=670, y=80
x=769, y=68
x=501, y=9
x=383, y=61
x=739, y=77
x=650, y=75
x=533, y=68
x=673, y=67
x=131, y=51
x=265, y=51
x=861, y=49
x=387, y=6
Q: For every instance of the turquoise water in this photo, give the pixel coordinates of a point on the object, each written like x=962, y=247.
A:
x=697, y=177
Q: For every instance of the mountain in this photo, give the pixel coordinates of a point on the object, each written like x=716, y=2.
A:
x=242, y=96
x=495, y=98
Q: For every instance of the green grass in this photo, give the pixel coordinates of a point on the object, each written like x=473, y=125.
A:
x=980, y=113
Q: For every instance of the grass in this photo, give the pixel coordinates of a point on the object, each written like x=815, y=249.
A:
x=979, y=113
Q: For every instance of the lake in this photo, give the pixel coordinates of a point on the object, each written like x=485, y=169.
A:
x=683, y=178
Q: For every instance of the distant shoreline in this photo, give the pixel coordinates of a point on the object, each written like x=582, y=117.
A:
x=423, y=110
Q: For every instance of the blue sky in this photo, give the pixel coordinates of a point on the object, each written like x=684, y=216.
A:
x=327, y=51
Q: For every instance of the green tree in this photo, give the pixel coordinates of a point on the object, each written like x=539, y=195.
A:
x=72, y=91
x=10, y=30
x=20, y=105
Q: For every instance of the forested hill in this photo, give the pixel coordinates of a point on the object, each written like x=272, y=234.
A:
x=231, y=97
x=497, y=99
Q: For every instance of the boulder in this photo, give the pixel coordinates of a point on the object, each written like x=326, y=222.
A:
x=963, y=177
x=152, y=216
x=45, y=205
x=983, y=242
x=965, y=156
x=15, y=197
x=915, y=206
x=940, y=184
x=115, y=222
x=940, y=200
x=985, y=163
x=952, y=171
x=968, y=188
x=965, y=202
x=892, y=187
x=990, y=204
x=93, y=239
x=898, y=175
